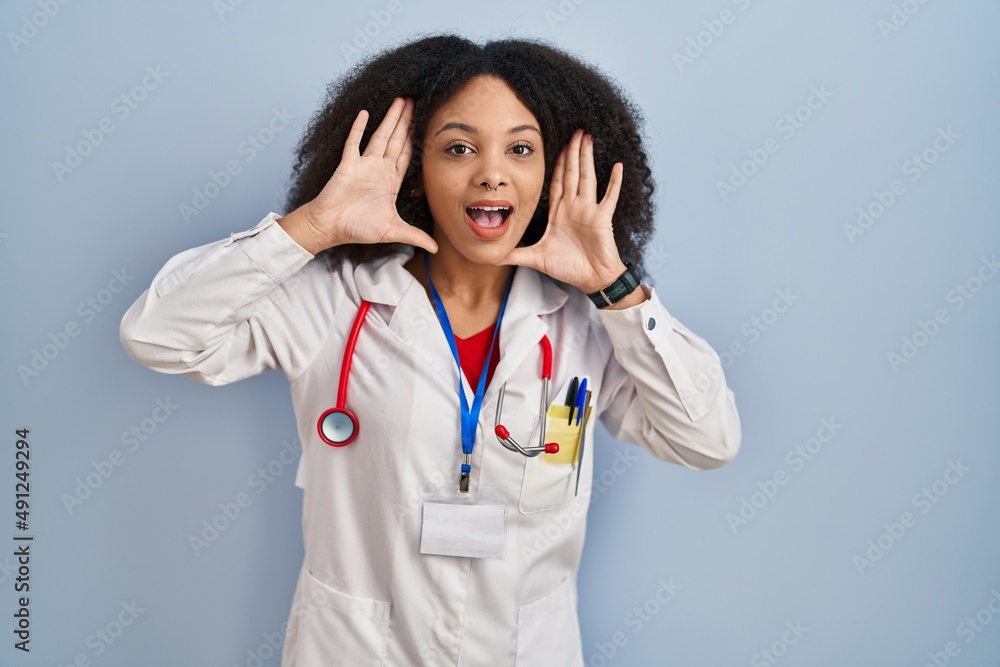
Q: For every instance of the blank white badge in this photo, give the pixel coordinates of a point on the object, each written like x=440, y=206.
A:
x=462, y=525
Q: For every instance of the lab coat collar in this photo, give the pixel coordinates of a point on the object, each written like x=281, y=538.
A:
x=410, y=315
x=386, y=281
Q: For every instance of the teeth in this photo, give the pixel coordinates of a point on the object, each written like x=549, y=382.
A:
x=491, y=208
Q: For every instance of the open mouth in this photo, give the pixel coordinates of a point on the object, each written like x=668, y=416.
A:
x=489, y=216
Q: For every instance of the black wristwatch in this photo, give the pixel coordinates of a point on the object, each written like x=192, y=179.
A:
x=617, y=290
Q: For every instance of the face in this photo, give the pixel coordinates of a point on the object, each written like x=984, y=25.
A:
x=482, y=135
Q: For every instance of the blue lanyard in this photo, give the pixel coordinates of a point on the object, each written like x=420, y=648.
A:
x=470, y=417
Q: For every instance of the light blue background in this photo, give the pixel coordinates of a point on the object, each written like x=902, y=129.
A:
x=717, y=265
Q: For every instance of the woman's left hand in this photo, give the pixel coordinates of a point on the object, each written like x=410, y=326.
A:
x=578, y=246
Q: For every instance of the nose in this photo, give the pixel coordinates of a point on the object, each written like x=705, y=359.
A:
x=491, y=170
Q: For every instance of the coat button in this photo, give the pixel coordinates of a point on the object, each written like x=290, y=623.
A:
x=650, y=323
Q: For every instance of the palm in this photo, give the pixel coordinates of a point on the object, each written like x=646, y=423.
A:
x=359, y=200
x=370, y=209
x=561, y=249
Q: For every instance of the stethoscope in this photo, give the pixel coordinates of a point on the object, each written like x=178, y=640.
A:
x=503, y=435
x=338, y=426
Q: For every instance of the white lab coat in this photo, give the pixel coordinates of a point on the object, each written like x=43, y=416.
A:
x=365, y=594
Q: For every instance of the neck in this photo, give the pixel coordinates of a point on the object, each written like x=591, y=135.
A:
x=464, y=282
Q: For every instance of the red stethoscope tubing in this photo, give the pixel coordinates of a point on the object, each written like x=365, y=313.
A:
x=546, y=358
x=352, y=342
x=345, y=370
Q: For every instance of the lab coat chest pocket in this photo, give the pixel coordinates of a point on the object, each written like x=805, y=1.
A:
x=548, y=630
x=547, y=484
x=335, y=628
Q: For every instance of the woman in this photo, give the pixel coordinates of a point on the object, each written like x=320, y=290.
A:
x=469, y=222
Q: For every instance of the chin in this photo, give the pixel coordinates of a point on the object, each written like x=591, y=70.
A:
x=487, y=255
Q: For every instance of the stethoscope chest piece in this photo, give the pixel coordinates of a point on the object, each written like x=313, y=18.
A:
x=338, y=427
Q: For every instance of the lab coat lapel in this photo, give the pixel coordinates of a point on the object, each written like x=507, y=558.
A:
x=531, y=296
x=403, y=305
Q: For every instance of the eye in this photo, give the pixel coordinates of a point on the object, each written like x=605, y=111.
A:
x=449, y=150
x=528, y=149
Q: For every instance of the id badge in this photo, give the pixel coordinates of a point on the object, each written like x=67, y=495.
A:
x=469, y=525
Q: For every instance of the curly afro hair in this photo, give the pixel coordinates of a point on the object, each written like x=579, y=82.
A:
x=561, y=91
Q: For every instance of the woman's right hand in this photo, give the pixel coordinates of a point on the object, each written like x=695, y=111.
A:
x=358, y=203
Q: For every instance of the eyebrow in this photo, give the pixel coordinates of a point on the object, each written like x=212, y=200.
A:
x=472, y=130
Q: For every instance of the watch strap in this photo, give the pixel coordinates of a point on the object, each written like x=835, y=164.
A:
x=617, y=290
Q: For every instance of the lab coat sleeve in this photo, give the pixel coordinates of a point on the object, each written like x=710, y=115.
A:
x=222, y=312
x=664, y=388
